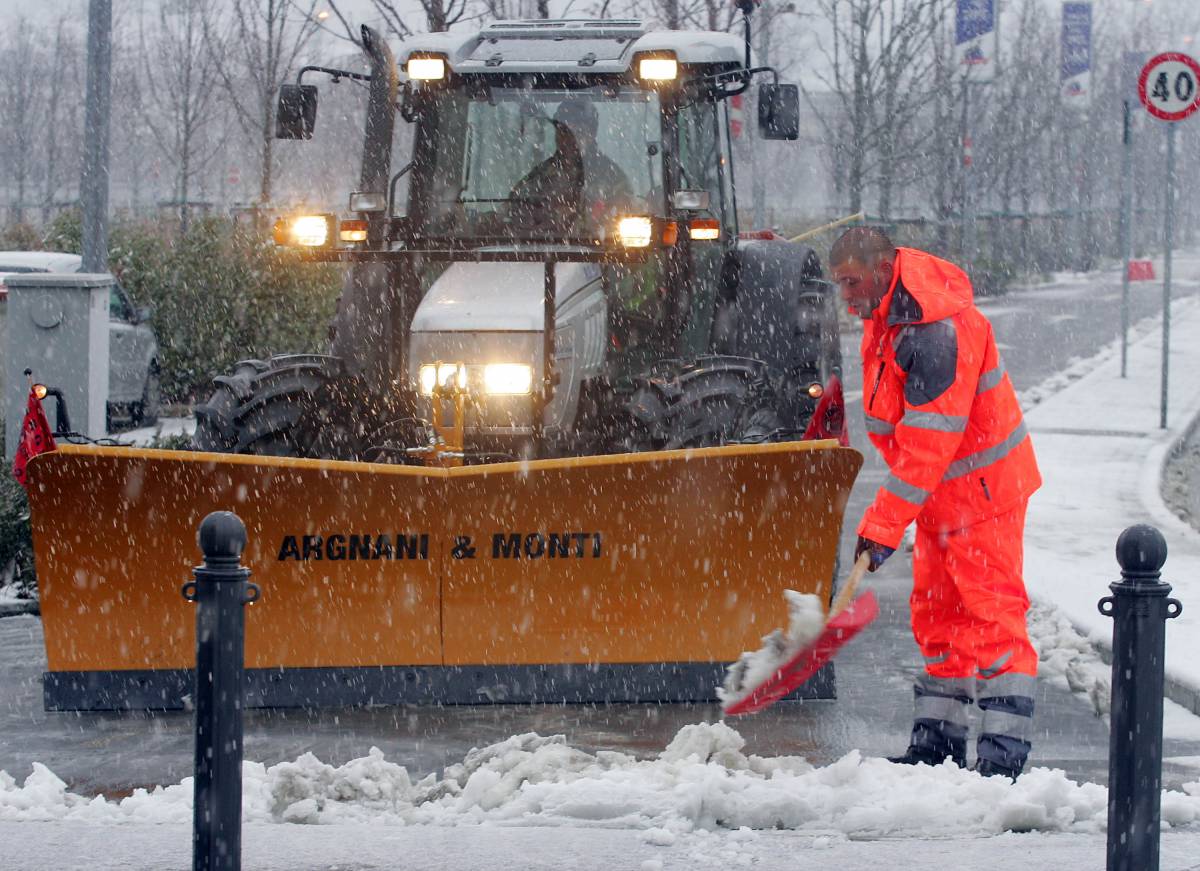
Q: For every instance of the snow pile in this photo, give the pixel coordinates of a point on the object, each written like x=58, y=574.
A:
x=806, y=619
x=702, y=781
x=1067, y=657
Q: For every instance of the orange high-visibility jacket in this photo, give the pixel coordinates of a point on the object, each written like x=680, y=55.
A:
x=939, y=406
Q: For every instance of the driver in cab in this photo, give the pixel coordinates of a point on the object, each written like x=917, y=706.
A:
x=578, y=184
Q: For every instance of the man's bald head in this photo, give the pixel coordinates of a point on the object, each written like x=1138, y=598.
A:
x=863, y=244
x=863, y=262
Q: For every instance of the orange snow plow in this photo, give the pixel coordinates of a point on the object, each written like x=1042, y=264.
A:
x=617, y=578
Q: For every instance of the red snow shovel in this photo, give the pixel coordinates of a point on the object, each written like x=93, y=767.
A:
x=847, y=617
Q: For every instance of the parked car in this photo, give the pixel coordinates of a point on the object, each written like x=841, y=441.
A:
x=133, y=373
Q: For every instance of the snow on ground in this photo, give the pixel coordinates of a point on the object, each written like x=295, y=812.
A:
x=167, y=427
x=497, y=848
x=701, y=780
x=8, y=591
x=1101, y=453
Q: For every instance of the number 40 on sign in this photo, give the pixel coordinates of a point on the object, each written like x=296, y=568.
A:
x=1169, y=86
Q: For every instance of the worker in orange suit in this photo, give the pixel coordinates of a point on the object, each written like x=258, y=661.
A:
x=942, y=411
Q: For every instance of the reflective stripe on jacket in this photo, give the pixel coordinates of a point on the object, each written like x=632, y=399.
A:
x=939, y=406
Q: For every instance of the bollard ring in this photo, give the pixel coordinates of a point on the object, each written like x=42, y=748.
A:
x=1174, y=608
x=253, y=594
x=190, y=591
x=1107, y=605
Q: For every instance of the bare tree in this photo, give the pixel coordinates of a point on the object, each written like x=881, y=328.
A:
x=942, y=149
x=266, y=37
x=180, y=92
x=61, y=112
x=22, y=86
x=1025, y=112
x=439, y=15
x=878, y=62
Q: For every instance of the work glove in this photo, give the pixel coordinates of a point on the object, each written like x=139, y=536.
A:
x=879, y=552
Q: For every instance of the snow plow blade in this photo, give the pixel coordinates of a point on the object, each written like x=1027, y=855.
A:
x=632, y=577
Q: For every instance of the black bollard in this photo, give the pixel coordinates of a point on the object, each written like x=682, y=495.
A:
x=220, y=590
x=1140, y=608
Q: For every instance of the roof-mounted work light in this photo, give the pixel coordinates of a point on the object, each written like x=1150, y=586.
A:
x=426, y=67
x=658, y=66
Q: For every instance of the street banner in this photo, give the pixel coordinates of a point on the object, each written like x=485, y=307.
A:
x=1075, y=79
x=975, y=39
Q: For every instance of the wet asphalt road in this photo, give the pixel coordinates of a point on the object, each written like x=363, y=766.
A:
x=1039, y=331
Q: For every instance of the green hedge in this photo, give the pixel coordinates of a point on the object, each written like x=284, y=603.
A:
x=16, y=551
x=219, y=293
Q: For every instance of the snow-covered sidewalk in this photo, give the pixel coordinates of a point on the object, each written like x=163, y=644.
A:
x=1101, y=453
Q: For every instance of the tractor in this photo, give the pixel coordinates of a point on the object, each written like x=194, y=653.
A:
x=567, y=257
x=574, y=434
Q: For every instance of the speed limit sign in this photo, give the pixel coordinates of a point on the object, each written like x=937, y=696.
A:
x=1169, y=86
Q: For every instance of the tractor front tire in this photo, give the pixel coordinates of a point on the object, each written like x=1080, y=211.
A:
x=276, y=407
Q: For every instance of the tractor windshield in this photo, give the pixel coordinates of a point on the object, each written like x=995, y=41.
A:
x=543, y=164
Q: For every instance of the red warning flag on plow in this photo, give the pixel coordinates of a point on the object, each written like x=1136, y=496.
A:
x=829, y=417
x=35, y=437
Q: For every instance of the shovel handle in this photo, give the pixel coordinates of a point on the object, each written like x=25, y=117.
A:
x=846, y=593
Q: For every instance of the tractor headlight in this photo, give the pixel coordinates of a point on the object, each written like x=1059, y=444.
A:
x=634, y=232
x=507, y=378
x=307, y=231
x=442, y=374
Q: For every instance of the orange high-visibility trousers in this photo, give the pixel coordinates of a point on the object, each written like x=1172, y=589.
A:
x=969, y=600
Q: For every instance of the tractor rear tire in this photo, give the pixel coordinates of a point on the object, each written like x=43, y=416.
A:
x=699, y=404
x=274, y=407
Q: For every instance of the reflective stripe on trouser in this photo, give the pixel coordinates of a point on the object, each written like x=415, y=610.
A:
x=969, y=601
x=1006, y=734
x=940, y=711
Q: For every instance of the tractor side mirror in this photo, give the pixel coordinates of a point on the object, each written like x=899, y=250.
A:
x=779, y=111
x=296, y=112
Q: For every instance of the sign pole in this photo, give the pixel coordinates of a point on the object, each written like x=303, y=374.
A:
x=1169, y=237
x=975, y=53
x=1169, y=88
x=1126, y=230
x=93, y=185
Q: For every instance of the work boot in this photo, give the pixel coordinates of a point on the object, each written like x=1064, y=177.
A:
x=991, y=769
x=939, y=730
x=1005, y=737
x=920, y=756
